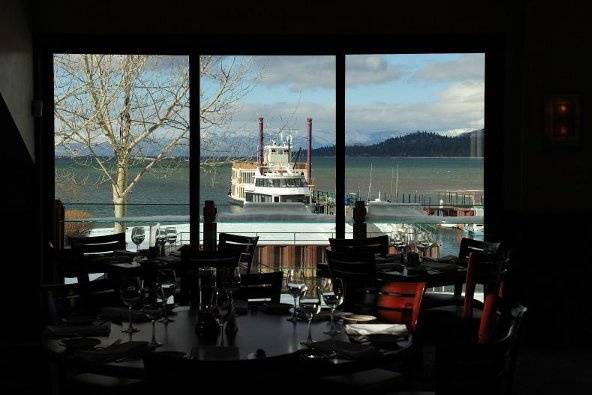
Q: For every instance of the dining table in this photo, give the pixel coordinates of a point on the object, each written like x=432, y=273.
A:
x=258, y=332
x=433, y=272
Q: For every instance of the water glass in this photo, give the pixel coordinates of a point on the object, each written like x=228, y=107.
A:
x=296, y=287
x=166, y=286
x=138, y=235
x=333, y=294
x=152, y=313
x=310, y=309
x=131, y=290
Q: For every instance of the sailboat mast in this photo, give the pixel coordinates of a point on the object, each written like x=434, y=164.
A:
x=397, y=184
x=370, y=184
x=392, y=176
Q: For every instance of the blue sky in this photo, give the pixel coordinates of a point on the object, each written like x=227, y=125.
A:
x=387, y=95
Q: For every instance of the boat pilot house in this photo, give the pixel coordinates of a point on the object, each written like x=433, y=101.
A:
x=275, y=177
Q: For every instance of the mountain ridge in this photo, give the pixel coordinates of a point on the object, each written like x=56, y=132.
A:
x=420, y=143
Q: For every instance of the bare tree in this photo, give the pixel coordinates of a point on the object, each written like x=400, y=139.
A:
x=128, y=115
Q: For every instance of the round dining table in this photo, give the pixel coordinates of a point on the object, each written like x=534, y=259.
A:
x=258, y=333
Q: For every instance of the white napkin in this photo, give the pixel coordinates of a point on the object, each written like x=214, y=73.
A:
x=374, y=329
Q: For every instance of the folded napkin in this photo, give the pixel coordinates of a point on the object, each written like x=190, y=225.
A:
x=113, y=352
x=345, y=349
x=375, y=329
x=102, y=329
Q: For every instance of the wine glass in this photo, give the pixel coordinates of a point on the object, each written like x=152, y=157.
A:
x=152, y=313
x=296, y=287
x=138, y=236
x=160, y=240
x=167, y=284
x=223, y=310
x=310, y=308
x=131, y=290
x=333, y=295
x=171, y=236
x=230, y=282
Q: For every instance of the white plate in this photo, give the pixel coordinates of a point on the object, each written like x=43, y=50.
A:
x=359, y=318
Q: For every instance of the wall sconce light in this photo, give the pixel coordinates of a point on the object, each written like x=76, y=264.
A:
x=562, y=119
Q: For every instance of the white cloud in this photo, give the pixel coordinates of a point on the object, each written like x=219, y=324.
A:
x=298, y=72
x=470, y=67
x=458, y=107
x=369, y=70
x=318, y=72
x=288, y=116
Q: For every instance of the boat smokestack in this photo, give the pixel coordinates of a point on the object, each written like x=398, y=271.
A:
x=260, y=153
x=309, y=151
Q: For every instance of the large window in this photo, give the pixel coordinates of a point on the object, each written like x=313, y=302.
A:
x=259, y=115
x=414, y=145
x=121, y=144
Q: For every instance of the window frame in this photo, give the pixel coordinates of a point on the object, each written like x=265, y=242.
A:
x=195, y=46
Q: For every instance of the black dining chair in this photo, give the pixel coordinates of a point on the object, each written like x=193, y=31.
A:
x=459, y=322
x=90, y=254
x=62, y=300
x=98, y=244
x=467, y=246
x=261, y=287
x=371, y=245
x=358, y=273
x=481, y=368
x=191, y=261
x=244, y=246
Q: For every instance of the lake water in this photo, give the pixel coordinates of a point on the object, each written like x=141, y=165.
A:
x=166, y=192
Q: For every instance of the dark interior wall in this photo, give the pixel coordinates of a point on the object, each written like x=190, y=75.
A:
x=16, y=67
x=20, y=264
x=543, y=190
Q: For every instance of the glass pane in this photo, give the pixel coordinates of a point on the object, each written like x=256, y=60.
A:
x=256, y=116
x=121, y=144
x=414, y=147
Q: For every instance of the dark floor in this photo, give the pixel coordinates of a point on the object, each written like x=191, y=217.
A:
x=554, y=370
x=540, y=370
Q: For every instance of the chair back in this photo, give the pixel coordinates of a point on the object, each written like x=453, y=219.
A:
x=467, y=246
x=484, y=268
x=400, y=303
x=173, y=372
x=480, y=368
x=358, y=274
x=372, y=245
x=244, y=246
x=191, y=261
x=266, y=286
x=62, y=300
x=98, y=244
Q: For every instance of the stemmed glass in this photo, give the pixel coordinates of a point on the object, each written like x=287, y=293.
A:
x=167, y=284
x=131, y=290
x=171, y=236
x=296, y=287
x=138, y=236
x=152, y=313
x=160, y=240
x=223, y=310
x=333, y=296
x=311, y=308
x=230, y=282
